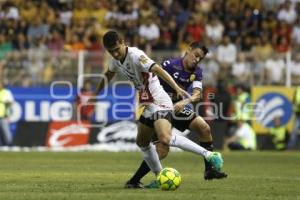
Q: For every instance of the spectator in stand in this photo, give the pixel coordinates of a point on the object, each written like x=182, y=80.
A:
x=111, y=17
x=269, y=24
x=146, y=10
x=127, y=12
x=37, y=31
x=182, y=15
x=5, y=46
x=263, y=48
x=295, y=69
x=20, y=43
x=76, y=44
x=226, y=55
x=261, y=52
x=246, y=44
x=296, y=35
x=46, y=13
x=274, y=67
x=287, y=12
x=80, y=13
x=165, y=11
x=214, y=29
x=250, y=22
x=241, y=69
x=28, y=11
x=282, y=36
x=283, y=45
x=271, y=4
x=232, y=30
x=48, y=71
x=149, y=32
x=195, y=27
x=211, y=70
x=131, y=32
x=98, y=12
x=9, y=11
x=55, y=41
x=65, y=14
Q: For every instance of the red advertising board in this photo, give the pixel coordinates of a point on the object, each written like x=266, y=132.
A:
x=66, y=134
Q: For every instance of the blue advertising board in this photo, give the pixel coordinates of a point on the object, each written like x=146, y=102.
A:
x=34, y=104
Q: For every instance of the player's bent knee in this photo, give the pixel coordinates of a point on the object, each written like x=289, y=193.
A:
x=162, y=150
x=206, y=130
x=165, y=140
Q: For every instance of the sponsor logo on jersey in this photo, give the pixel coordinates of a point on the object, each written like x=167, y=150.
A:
x=143, y=60
x=192, y=77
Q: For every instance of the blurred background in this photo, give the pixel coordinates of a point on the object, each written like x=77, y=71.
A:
x=51, y=57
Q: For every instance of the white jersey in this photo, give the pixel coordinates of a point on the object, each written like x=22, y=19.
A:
x=136, y=68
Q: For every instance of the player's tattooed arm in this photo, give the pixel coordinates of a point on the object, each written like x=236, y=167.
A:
x=159, y=71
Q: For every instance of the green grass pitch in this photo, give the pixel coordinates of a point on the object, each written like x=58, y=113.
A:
x=101, y=176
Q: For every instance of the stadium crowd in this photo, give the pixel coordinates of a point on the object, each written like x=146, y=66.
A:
x=247, y=38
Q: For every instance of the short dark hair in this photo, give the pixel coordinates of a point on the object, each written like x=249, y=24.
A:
x=196, y=44
x=110, y=39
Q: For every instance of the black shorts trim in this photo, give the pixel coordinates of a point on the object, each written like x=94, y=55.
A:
x=183, y=119
x=163, y=114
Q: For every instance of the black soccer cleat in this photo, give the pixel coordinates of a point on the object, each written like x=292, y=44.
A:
x=214, y=174
x=132, y=185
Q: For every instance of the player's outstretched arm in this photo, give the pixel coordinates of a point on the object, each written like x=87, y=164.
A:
x=159, y=71
x=196, y=96
x=108, y=75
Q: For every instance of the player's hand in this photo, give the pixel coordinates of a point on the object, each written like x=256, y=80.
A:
x=179, y=106
x=182, y=93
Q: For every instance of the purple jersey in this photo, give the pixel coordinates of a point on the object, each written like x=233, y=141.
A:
x=183, y=78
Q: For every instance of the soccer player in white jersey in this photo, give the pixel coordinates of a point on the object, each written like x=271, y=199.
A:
x=142, y=71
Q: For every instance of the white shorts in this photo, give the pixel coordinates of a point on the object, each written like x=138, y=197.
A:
x=155, y=98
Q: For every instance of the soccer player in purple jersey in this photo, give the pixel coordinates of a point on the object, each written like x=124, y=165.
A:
x=186, y=73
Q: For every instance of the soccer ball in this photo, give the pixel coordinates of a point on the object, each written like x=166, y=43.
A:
x=169, y=179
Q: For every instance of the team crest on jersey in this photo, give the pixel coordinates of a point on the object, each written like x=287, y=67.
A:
x=192, y=77
x=143, y=60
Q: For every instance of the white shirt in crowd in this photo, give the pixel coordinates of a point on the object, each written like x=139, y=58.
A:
x=296, y=34
x=149, y=32
x=295, y=68
x=227, y=54
x=275, y=69
x=215, y=33
x=240, y=68
x=288, y=16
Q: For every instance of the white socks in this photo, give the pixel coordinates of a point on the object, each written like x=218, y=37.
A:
x=151, y=158
x=188, y=145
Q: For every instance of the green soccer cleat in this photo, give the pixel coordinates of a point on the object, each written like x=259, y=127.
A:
x=153, y=185
x=216, y=160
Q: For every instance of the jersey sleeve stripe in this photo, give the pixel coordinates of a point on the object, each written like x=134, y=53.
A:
x=151, y=67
